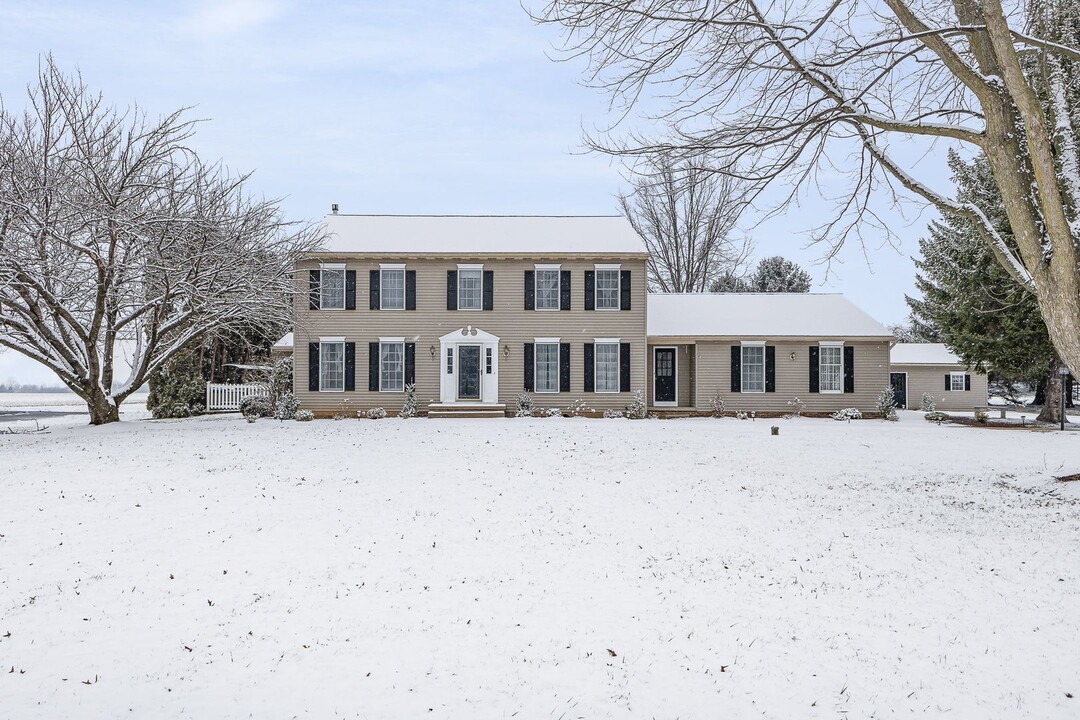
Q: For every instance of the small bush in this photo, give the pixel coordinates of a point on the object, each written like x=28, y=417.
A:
x=847, y=414
x=551, y=412
x=886, y=404
x=797, y=408
x=256, y=406
x=742, y=414
x=376, y=413
x=523, y=405
x=717, y=404
x=304, y=416
x=286, y=406
x=173, y=411
x=928, y=404
x=636, y=410
x=280, y=381
x=612, y=414
x=577, y=408
x=981, y=416
x=408, y=409
x=936, y=417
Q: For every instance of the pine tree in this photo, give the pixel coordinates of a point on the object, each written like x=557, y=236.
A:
x=771, y=275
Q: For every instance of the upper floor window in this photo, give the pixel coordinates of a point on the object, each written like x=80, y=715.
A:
x=470, y=288
x=607, y=288
x=753, y=368
x=392, y=287
x=332, y=287
x=831, y=369
x=547, y=288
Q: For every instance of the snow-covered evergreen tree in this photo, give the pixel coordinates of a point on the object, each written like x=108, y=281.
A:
x=408, y=408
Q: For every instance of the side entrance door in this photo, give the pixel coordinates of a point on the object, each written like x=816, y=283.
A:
x=899, y=388
x=664, y=375
x=468, y=372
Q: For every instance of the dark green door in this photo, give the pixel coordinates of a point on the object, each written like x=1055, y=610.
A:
x=468, y=372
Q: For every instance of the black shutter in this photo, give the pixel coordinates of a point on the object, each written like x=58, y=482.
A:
x=590, y=376
x=451, y=289
x=410, y=289
x=313, y=367
x=350, y=289
x=529, y=349
x=410, y=363
x=373, y=367
x=624, y=290
x=564, y=367
x=350, y=366
x=564, y=290
x=373, y=290
x=967, y=382
x=489, y=290
x=530, y=290
x=624, y=367
x=815, y=369
x=313, y=291
x=849, y=369
x=948, y=382
x=770, y=368
x=590, y=289
x=736, y=368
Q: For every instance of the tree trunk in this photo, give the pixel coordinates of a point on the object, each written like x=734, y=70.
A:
x=103, y=408
x=1051, y=409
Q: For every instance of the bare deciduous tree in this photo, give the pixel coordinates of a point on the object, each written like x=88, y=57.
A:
x=118, y=246
x=686, y=216
x=775, y=92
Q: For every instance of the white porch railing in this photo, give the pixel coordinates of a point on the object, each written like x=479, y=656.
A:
x=223, y=397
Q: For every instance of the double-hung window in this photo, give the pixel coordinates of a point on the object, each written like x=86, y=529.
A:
x=547, y=288
x=956, y=381
x=391, y=366
x=606, y=367
x=332, y=366
x=831, y=369
x=470, y=288
x=607, y=289
x=546, y=379
x=332, y=287
x=753, y=368
x=392, y=288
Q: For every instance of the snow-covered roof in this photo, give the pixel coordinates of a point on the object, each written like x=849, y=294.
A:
x=285, y=343
x=758, y=315
x=486, y=234
x=922, y=354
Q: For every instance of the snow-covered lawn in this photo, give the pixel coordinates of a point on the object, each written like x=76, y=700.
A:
x=539, y=568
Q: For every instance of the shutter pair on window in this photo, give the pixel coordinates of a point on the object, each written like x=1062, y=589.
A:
x=530, y=290
x=736, y=368
x=375, y=298
x=815, y=369
x=487, y=293
x=590, y=290
x=590, y=367
x=373, y=365
x=313, y=366
x=315, y=289
x=564, y=367
x=948, y=381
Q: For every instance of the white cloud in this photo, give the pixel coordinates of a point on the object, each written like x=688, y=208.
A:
x=219, y=18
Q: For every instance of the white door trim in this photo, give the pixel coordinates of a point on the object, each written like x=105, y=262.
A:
x=448, y=381
x=675, y=372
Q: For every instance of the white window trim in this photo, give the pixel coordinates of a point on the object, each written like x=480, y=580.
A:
x=391, y=266
x=332, y=341
x=404, y=282
x=618, y=289
x=473, y=266
x=558, y=364
x=675, y=348
x=616, y=343
x=615, y=266
x=558, y=288
x=832, y=344
x=392, y=341
x=742, y=375
x=331, y=266
x=961, y=375
x=480, y=267
x=344, y=281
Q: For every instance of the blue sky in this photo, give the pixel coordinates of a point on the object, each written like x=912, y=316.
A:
x=403, y=107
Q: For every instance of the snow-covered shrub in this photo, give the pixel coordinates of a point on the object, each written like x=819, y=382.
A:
x=928, y=404
x=178, y=389
x=636, y=410
x=717, y=404
x=612, y=414
x=376, y=413
x=256, y=406
x=286, y=406
x=551, y=412
x=280, y=381
x=847, y=414
x=981, y=416
x=886, y=404
x=742, y=414
x=576, y=408
x=304, y=416
x=797, y=408
x=936, y=417
x=177, y=410
x=523, y=405
x=408, y=408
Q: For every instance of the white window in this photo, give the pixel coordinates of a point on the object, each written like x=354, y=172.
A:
x=331, y=366
x=470, y=289
x=391, y=367
x=753, y=368
x=332, y=288
x=607, y=289
x=547, y=289
x=606, y=367
x=546, y=376
x=956, y=381
x=392, y=288
x=831, y=369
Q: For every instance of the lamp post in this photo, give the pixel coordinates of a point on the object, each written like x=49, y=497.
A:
x=1064, y=371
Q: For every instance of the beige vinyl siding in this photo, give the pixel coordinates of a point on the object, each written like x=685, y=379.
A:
x=792, y=376
x=684, y=370
x=509, y=320
x=931, y=379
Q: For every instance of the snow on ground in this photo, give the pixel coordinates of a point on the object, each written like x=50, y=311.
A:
x=538, y=568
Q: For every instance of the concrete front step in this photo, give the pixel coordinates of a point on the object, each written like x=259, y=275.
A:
x=466, y=410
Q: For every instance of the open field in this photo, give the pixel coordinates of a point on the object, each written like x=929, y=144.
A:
x=539, y=568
